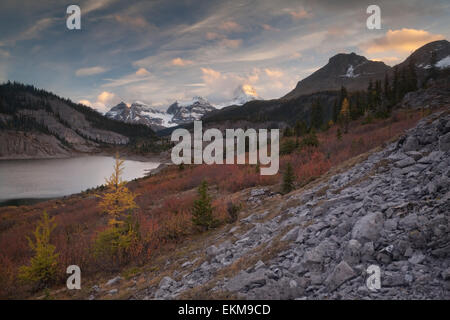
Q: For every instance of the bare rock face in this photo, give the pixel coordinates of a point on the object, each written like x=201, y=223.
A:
x=28, y=145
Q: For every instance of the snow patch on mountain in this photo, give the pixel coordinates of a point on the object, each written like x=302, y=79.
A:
x=350, y=72
x=177, y=113
x=444, y=63
x=242, y=94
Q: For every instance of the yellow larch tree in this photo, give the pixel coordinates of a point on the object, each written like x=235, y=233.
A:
x=119, y=200
x=344, y=114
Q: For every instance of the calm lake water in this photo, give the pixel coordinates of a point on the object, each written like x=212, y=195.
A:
x=52, y=178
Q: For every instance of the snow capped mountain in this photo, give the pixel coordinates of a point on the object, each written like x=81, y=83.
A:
x=184, y=112
x=177, y=113
x=139, y=112
x=242, y=94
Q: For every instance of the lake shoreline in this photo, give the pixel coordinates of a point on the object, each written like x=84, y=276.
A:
x=26, y=181
x=156, y=157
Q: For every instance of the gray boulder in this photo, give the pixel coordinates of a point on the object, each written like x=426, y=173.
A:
x=341, y=273
x=368, y=227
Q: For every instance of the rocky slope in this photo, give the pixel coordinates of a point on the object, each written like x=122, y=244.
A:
x=391, y=210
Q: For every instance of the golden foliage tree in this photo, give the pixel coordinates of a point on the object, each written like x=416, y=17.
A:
x=118, y=202
x=344, y=114
x=44, y=264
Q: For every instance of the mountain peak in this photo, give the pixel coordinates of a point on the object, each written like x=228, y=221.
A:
x=347, y=58
x=343, y=69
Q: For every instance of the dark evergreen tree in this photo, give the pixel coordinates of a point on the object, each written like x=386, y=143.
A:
x=288, y=179
x=316, y=115
x=202, y=213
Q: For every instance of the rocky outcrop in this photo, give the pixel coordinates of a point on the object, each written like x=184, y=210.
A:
x=435, y=96
x=391, y=210
x=30, y=145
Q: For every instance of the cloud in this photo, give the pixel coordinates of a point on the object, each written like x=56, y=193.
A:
x=4, y=53
x=388, y=60
x=230, y=26
x=213, y=36
x=135, y=22
x=299, y=14
x=142, y=72
x=105, y=97
x=89, y=71
x=85, y=102
x=402, y=40
x=210, y=74
x=35, y=31
x=140, y=75
x=230, y=43
x=268, y=27
x=273, y=73
x=95, y=5
x=103, y=101
x=180, y=62
x=268, y=82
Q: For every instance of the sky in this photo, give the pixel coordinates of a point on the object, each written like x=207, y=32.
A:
x=161, y=51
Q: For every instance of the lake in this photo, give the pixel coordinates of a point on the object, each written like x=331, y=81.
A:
x=28, y=181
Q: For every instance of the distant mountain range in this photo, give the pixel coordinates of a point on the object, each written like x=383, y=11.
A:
x=178, y=113
x=38, y=124
x=352, y=71
x=349, y=70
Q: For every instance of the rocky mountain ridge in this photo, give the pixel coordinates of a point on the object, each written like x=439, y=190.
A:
x=38, y=124
x=178, y=113
x=350, y=70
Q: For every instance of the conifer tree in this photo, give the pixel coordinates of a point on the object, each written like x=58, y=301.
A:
x=300, y=128
x=344, y=115
x=395, y=86
x=412, y=76
x=316, y=115
x=288, y=179
x=339, y=134
x=432, y=70
x=43, y=265
x=202, y=213
x=119, y=201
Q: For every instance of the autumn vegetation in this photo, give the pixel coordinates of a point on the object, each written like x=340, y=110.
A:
x=130, y=224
